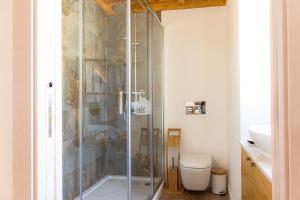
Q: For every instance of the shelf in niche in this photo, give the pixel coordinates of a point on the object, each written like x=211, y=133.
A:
x=102, y=123
x=104, y=61
x=101, y=93
x=115, y=62
x=111, y=61
x=124, y=63
x=94, y=59
x=118, y=40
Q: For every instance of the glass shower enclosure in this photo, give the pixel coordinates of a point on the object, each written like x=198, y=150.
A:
x=112, y=100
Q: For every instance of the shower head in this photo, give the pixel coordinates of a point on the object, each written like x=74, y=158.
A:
x=119, y=8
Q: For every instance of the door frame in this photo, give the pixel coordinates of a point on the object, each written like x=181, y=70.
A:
x=47, y=68
x=285, y=105
x=47, y=55
x=279, y=101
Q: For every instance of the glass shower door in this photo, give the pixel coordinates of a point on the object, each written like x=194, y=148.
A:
x=94, y=121
x=104, y=134
x=157, y=100
x=141, y=112
x=96, y=116
x=112, y=101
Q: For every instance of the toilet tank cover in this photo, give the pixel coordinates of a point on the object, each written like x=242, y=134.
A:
x=195, y=161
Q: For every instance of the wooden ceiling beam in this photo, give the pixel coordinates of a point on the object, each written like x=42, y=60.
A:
x=181, y=2
x=113, y=1
x=161, y=5
x=186, y=4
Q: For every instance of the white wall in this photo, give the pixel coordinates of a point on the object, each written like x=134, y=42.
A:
x=234, y=156
x=255, y=69
x=249, y=89
x=196, y=58
x=6, y=129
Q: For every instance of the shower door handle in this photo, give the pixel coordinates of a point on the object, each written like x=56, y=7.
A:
x=122, y=103
x=50, y=115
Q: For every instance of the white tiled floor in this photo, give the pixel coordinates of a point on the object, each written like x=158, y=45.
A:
x=115, y=188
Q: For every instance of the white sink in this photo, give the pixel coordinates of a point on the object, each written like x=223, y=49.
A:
x=261, y=136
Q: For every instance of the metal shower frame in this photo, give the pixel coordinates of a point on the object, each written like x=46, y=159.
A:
x=150, y=87
x=151, y=14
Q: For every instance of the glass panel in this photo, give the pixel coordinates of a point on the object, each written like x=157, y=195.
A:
x=96, y=118
x=70, y=95
x=94, y=101
x=104, y=140
x=140, y=108
x=98, y=107
x=116, y=57
x=156, y=61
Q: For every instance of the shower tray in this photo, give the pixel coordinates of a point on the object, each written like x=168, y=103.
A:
x=115, y=187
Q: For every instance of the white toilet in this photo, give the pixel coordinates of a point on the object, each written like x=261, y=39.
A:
x=195, y=171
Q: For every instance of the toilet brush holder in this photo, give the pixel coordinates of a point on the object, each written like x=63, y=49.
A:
x=173, y=181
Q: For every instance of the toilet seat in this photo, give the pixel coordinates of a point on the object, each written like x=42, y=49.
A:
x=195, y=161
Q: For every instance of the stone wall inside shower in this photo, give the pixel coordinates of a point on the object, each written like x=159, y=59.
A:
x=70, y=112
x=116, y=66
x=104, y=137
x=97, y=105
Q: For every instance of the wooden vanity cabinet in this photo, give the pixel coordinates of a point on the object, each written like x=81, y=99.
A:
x=246, y=177
x=262, y=188
x=255, y=186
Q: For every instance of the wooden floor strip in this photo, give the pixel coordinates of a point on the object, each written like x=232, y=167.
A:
x=193, y=195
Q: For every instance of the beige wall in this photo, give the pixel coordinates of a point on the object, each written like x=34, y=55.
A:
x=15, y=107
x=196, y=47
x=6, y=71
x=22, y=99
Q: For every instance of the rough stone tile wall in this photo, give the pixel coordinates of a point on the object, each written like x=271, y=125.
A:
x=97, y=106
x=104, y=139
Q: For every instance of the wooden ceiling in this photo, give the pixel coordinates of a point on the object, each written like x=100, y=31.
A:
x=161, y=5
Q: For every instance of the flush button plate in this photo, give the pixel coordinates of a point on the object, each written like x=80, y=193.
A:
x=195, y=107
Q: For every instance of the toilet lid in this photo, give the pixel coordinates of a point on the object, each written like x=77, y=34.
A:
x=195, y=161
